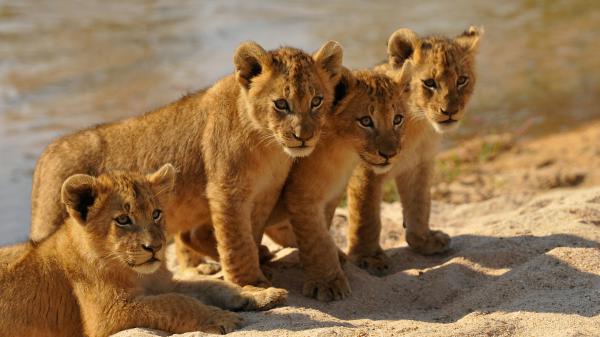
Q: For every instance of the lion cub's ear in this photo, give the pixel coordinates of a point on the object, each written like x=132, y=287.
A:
x=329, y=57
x=405, y=75
x=343, y=89
x=79, y=194
x=401, y=46
x=250, y=60
x=469, y=39
x=163, y=180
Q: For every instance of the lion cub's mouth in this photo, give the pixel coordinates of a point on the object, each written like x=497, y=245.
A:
x=150, y=261
x=449, y=124
x=381, y=168
x=298, y=151
x=147, y=267
x=448, y=121
x=378, y=168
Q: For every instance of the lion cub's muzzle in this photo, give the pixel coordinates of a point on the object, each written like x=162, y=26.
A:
x=387, y=155
x=301, y=143
x=384, y=161
x=446, y=120
x=149, y=258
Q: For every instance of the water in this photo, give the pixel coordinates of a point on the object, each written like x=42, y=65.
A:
x=68, y=64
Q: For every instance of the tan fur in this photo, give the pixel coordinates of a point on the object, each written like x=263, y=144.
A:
x=95, y=276
x=315, y=183
x=443, y=60
x=233, y=150
x=9, y=254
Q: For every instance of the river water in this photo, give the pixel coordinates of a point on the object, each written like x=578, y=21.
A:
x=65, y=65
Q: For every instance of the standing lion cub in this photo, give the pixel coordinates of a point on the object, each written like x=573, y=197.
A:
x=233, y=145
x=368, y=128
x=103, y=270
x=443, y=79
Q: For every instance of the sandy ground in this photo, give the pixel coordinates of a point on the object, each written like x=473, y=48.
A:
x=485, y=167
x=525, y=258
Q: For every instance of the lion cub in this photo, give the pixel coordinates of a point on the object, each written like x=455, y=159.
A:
x=367, y=128
x=442, y=82
x=233, y=145
x=103, y=270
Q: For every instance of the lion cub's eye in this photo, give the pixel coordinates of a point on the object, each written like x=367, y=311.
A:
x=366, y=122
x=281, y=104
x=123, y=220
x=430, y=83
x=316, y=102
x=462, y=80
x=398, y=119
x=157, y=214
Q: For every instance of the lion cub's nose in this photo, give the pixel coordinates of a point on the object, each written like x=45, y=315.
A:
x=302, y=134
x=448, y=112
x=152, y=248
x=387, y=154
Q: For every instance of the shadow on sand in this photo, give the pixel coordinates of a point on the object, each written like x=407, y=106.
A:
x=480, y=274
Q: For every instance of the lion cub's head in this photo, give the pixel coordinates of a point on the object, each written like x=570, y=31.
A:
x=370, y=111
x=119, y=217
x=443, y=73
x=287, y=91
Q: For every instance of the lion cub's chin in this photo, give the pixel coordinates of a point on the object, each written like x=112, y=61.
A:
x=147, y=267
x=298, y=152
x=381, y=169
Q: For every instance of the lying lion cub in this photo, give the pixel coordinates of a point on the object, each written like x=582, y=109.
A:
x=442, y=82
x=233, y=145
x=103, y=270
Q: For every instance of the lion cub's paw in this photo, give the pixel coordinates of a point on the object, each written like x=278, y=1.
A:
x=208, y=268
x=263, y=299
x=433, y=243
x=335, y=289
x=378, y=264
x=221, y=322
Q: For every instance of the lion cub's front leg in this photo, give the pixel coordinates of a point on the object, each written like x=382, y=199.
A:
x=364, y=228
x=187, y=314
x=325, y=279
x=238, y=253
x=414, y=187
x=105, y=313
